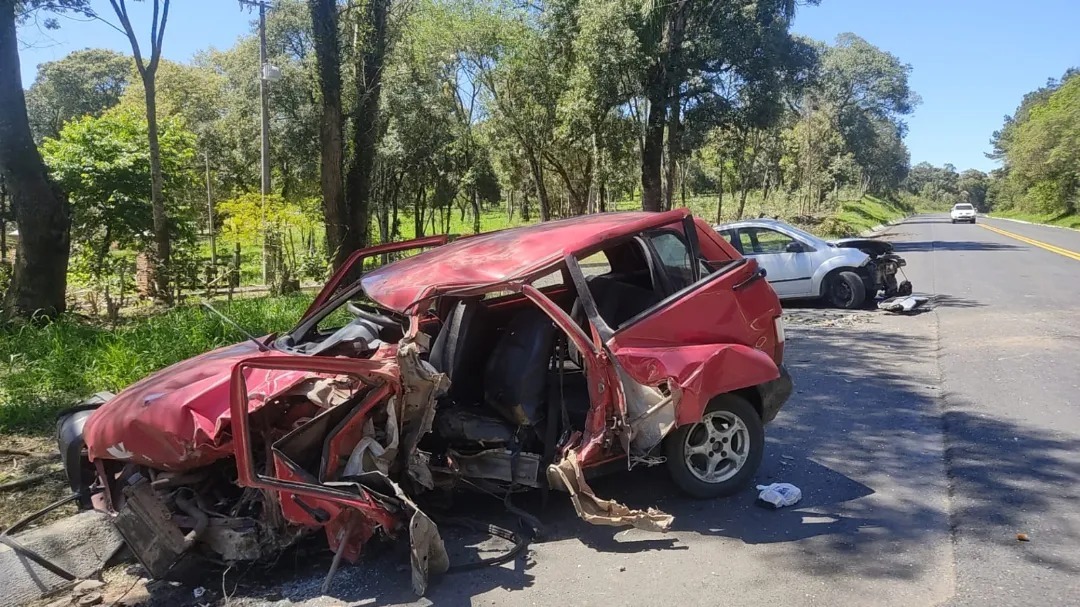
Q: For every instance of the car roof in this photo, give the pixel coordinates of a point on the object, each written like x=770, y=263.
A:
x=763, y=222
x=500, y=257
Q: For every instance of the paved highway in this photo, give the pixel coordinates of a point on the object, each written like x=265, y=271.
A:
x=924, y=444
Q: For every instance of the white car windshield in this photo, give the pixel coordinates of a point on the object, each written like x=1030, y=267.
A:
x=963, y=207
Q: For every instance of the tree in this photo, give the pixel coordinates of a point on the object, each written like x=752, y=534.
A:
x=39, y=280
x=373, y=24
x=704, y=53
x=973, y=186
x=85, y=82
x=324, y=21
x=148, y=72
x=103, y=164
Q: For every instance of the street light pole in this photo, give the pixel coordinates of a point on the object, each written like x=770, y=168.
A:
x=264, y=101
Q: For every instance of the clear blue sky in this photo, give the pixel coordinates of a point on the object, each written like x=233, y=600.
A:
x=973, y=59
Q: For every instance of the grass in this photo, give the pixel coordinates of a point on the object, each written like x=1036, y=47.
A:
x=860, y=215
x=1053, y=219
x=46, y=368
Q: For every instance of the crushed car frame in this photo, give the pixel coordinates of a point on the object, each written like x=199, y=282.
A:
x=532, y=357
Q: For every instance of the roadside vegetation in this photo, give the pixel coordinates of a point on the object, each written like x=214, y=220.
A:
x=1039, y=151
x=450, y=117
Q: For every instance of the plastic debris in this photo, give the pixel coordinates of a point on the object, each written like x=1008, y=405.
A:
x=198, y=592
x=902, y=305
x=1023, y=537
x=779, y=495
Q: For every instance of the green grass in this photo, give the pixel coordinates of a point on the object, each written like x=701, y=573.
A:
x=1053, y=219
x=860, y=215
x=46, y=368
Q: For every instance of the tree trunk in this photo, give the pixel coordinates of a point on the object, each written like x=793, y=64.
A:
x=474, y=201
x=39, y=282
x=674, y=148
x=541, y=188
x=652, y=154
x=366, y=121
x=324, y=20
x=742, y=202
x=162, y=244
x=720, y=194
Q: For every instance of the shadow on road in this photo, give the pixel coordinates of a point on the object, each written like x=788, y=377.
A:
x=862, y=438
x=942, y=300
x=952, y=245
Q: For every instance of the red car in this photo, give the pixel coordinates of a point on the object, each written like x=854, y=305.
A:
x=529, y=357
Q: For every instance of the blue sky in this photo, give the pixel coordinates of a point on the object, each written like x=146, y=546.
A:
x=972, y=59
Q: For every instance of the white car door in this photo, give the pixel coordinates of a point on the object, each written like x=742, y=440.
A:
x=786, y=260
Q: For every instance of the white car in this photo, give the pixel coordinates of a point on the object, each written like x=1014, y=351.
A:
x=962, y=212
x=799, y=265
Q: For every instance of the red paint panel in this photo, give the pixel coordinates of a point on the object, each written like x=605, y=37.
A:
x=711, y=340
x=177, y=418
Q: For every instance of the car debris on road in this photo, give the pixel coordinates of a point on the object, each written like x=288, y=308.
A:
x=903, y=305
x=493, y=363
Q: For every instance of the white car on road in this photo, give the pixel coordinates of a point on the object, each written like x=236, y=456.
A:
x=962, y=212
x=800, y=265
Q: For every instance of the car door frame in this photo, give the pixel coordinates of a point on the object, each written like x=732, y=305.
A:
x=800, y=285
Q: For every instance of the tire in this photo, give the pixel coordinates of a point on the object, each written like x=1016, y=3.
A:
x=952, y=221
x=845, y=290
x=691, y=449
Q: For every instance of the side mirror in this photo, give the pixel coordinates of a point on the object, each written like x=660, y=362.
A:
x=794, y=247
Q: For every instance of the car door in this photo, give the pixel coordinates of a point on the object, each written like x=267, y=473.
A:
x=787, y=261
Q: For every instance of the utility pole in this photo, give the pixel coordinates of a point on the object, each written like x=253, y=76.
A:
x=266, y=74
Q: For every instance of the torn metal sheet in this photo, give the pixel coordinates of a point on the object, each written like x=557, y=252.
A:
x=567, y=475
x=421, y=385
x=650, y=413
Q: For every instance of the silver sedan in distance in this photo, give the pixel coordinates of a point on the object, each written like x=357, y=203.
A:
x=847, y=273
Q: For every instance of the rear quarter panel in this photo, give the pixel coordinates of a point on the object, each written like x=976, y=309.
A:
x=708, y=339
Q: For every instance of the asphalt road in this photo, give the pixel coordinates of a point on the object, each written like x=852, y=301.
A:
x=923, y=445
x=1009, y=353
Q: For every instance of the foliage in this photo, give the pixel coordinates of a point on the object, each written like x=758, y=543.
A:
x=103, y=164
x=1039, y=147
x=86, y=82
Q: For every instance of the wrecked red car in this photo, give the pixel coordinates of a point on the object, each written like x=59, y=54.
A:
x=527, y=358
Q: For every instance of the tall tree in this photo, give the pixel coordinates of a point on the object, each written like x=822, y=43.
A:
x=148, y=72
x=695, y=51
x=85, y=82
x=39, y=280
x=324, y=21
x=372, y=29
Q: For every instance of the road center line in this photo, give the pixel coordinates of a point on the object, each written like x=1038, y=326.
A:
x=1036, y=243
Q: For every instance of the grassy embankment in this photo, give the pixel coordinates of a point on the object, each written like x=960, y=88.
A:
x=1053, y=219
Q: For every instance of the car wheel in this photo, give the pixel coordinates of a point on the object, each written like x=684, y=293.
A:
x=845, y=290
x=718, y=455
x=952, y=221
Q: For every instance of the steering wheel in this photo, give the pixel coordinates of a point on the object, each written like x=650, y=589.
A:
x=383, y=321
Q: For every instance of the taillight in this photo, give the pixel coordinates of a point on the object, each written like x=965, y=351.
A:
x=779, y=323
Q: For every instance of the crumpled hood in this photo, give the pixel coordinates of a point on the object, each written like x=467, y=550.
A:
x=177, y=418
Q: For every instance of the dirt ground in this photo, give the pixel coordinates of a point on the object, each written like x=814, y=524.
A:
x=23, y=457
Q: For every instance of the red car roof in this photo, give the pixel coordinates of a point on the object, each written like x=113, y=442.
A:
x=500, y=257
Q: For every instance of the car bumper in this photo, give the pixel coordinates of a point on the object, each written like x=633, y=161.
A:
x=774, y=394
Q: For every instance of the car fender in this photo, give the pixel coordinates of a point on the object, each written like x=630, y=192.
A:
x=845, y=258
x=701, y=372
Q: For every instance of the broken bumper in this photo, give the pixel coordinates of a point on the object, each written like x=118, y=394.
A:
x=774, y=394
